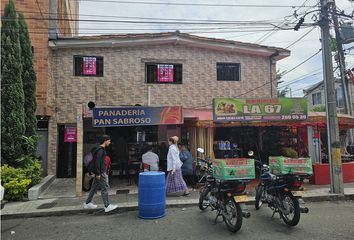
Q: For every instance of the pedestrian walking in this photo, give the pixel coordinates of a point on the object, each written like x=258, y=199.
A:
x=101, y=177
x=175, y=182
x=187, y=167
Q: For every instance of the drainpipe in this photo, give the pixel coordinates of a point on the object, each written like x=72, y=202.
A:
x=276, y=53
x=53, y=16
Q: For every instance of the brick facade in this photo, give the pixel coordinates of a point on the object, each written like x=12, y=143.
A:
x=38, y=30
x=123, y=82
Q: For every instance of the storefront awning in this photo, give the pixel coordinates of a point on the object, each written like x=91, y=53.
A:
x=198, y=114
x=204, y=119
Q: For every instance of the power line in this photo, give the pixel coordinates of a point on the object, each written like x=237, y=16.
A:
x=195, y=4
x=267, y=35
x=266, y=21
x=307, y=59
x=300, y=79
x=292, y=44
x=242, y=28
x=39, y=9
x=96, y=31
x=144, y=22
x=306, y=75
x=253, y=89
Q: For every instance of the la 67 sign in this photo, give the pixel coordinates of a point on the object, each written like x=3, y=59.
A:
x=265, y=109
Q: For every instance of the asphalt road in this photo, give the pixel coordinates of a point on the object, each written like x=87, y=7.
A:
x=326, y=220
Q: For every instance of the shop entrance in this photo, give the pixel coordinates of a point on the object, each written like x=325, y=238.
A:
x=66, y=163
x=235, y=142
x=128, y=145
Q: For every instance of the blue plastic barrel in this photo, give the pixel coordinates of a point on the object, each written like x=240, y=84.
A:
x=152, y=195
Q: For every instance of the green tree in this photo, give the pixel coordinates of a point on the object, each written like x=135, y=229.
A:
x=28, y=79
x=282, y=93
x=319, y=108
x=12, y=96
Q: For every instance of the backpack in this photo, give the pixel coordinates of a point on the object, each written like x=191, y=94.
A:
x=91, y=165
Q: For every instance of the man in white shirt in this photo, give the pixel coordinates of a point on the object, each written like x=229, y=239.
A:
x=151, y=159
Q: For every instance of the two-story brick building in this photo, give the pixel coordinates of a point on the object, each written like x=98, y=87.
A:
x=123, y=70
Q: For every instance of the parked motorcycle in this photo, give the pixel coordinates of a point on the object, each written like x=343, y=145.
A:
x=227, y=197
x=282, y=193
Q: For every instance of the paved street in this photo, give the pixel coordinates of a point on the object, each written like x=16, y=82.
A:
x=327, y=220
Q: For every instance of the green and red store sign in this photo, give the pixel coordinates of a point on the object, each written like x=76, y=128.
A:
x=267, y=109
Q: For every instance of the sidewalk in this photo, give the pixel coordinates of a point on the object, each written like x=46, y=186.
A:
x=74, y=205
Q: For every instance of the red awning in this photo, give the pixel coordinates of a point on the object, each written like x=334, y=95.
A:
x=199, y=114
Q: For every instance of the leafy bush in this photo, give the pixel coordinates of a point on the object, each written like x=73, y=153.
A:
x=15, y=182
x=16, y=188
x=319, y=108
x=289, y=152
x=34, y=172
x=31, y=168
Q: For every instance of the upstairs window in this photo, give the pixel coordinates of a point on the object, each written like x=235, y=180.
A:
x=228, y=71
x=316, y=98
x=88, y=66
x=163, y=73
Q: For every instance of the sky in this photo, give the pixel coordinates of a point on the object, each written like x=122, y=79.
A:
x=262, y=22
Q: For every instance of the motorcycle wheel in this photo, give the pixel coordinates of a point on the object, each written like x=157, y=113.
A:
x=258, y=199
x=232, y=215
x=293, y=218
x=204, y=198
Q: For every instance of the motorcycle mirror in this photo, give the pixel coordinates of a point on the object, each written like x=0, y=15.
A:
x=201, y=150
x=250, y=153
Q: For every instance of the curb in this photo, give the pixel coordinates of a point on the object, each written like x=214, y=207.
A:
x=134, y=207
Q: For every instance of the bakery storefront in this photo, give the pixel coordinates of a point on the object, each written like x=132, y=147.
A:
x=133, y=130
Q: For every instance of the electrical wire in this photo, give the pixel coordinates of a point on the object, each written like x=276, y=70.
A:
x=95, y=32
x=39, y=9
x=194, y=4
x=266, y=21
x=145, y=22
x=301, y=79
x=296, y=41
x=267, y=35
x=307, y=59
x=313, y=73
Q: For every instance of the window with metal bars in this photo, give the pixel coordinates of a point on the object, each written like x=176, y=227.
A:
x=90, y=66
x=163, y=73
x=228, y=71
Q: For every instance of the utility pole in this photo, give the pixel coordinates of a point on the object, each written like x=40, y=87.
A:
x=333, y=143
x=341, y=62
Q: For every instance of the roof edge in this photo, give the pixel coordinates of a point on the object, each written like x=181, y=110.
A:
x=131, y=40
